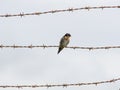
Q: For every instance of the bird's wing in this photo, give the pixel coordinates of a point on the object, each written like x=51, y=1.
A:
x=62, y=41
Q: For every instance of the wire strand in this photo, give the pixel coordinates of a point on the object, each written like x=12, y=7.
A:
x=52, y=46
x=56, y=11
x=60, y=85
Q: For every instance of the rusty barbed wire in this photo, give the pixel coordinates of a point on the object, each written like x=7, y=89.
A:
x=56, y=11
x=51, y=46
x=60, y=85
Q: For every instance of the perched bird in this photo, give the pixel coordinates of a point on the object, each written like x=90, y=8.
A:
x=64, y=41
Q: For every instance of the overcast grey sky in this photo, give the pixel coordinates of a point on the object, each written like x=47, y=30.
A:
x=44, y=66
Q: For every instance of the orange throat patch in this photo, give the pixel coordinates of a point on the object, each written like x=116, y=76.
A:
x=67, y=38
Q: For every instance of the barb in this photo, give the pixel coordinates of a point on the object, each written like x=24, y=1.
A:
x=51, y=46
x=59, y=85
x=56, y=11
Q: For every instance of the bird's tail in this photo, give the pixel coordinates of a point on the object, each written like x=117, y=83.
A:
x=60, y=49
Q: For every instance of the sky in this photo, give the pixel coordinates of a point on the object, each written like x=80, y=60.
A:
x=44, y=66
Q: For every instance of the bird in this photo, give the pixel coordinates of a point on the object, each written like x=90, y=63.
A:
x=64, y=42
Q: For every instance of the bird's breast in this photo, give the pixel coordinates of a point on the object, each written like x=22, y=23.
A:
x=65, y=43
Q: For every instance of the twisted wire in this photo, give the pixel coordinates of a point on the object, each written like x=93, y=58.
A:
x=60, y=85
x=57, y=11
x=52, y=46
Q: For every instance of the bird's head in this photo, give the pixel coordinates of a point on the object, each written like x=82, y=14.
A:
x=67, y=36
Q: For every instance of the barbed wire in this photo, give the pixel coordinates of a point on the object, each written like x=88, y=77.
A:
x=51, y=46
x=56, y=11
x=59, y=85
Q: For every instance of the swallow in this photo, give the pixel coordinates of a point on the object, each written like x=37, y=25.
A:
x=64, y=42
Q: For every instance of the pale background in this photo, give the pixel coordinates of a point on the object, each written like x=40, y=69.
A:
x=44, y=66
